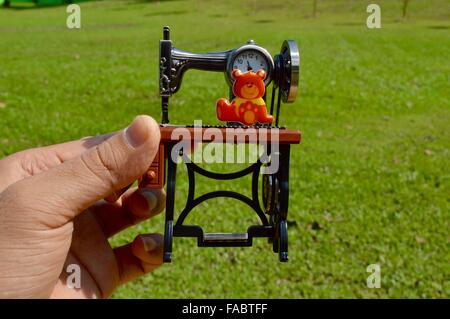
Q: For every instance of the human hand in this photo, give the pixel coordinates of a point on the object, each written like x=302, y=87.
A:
x=52, y=214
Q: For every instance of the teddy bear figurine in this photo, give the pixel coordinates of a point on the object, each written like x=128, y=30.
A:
x=248, y=107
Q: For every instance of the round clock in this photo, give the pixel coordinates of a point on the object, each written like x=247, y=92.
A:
x=250, y=57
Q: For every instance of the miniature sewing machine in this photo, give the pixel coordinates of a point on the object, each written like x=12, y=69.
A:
x=248, y=69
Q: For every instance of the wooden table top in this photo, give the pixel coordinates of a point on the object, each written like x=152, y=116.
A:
x=222, y=134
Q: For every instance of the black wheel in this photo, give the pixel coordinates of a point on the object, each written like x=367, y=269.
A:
x=275, y=195
x=271, y=198
x=270, y=191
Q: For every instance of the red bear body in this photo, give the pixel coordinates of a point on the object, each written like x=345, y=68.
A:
x=248, y=107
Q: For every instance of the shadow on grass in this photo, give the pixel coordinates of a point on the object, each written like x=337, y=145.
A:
x=438, y=27
x=175, y=12
x=29, y=5
x=348, y=24
x=32, y=7
x=148, y=1
x=264, y=21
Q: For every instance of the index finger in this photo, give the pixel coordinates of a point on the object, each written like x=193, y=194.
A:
x=36, y=160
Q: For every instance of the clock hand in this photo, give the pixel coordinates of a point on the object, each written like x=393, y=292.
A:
x=249, y=68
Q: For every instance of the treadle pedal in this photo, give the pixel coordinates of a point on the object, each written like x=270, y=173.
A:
x=225, y=237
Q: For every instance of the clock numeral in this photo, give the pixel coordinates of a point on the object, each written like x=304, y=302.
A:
x=250, y=61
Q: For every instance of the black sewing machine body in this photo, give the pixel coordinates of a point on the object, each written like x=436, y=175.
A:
x=282, y=72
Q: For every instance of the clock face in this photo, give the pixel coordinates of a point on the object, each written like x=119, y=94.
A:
x=250, y=60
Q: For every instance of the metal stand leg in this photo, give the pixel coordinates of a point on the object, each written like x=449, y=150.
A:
x=283, y=248
x=170, y=203
x=284, y=203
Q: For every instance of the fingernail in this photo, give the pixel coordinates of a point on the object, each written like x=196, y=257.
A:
x=150, y=197
x=149, y=244
x=137, y=132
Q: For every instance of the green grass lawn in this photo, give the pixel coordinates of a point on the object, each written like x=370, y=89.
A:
x=370, y=183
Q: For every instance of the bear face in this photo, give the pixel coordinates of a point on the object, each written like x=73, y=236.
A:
x=249, y=85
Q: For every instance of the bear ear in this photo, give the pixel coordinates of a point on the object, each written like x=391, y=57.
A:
x=261, y=73
x=236, y=73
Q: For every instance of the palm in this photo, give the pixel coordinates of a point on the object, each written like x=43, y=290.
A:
x=48, y=242
x=89, y=248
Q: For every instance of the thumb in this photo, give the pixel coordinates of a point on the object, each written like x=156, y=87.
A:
x=68, y=189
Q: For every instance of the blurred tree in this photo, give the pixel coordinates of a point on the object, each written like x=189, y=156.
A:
x=405, y=8
x=314, y=8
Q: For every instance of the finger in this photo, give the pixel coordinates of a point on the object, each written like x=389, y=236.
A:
x=69, y=150
x=36, y=160
x=135, y=206
x=62, y=152
x=142, y=256
x=70, y=188
x=116, y=194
